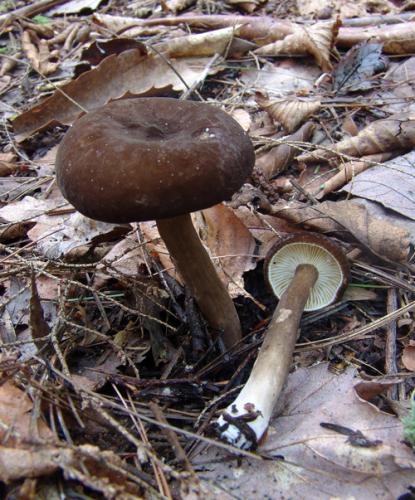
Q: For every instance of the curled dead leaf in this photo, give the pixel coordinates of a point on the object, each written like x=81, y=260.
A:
x=395, y=133
x=38, y=55
x=368, y=391
x=176, y=6
x=316, y=40
x=248, y=6
x=290, y=112
x=201, y=44
x=242, y=117
x=277, y=159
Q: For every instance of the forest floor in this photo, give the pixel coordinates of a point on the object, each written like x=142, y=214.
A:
x=111, y=379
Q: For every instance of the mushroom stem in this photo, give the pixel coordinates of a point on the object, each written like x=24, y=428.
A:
x=245, y=421
x=199, y=274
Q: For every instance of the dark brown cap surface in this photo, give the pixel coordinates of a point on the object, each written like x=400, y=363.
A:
x=152, y=158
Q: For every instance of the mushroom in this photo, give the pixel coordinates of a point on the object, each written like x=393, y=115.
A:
x=160, y=159
x=306, y=272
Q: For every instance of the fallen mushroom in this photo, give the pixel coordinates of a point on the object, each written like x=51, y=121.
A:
x=159, y=159
x=306, y=272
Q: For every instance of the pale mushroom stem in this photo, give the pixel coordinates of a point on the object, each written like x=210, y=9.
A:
x=199, y=274
x=245, y=421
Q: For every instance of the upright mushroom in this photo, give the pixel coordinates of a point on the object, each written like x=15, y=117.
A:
x=159, y=158
x=306, y=272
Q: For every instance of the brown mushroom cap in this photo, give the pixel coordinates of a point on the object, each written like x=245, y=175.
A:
x=313, y=249
x=152, y=158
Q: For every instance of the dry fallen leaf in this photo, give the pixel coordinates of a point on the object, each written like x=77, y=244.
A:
x=222, y=42
x=156, y=246
x=246, y=5
x=282, y=78
x=266, y=229
x=16, y=417
x=392, y=184
x=128, y=74
x=230, y=243
x=29, y=209
x=408, y=356
x=396, y=94
x=56, y=236
x=316, y=40
x=38, y=55
x=355, y=70
x=75, y=7
x=277, y=159
x=103, y=471
x=396, y=133
x=176, y=6
x=375, y=231
x=290, y=112
x=368, y=391
x=318, y=462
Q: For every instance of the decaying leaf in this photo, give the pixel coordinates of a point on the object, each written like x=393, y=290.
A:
x=130, y=73
x=29, y=209
x=101, y=471
x=369, y=391
x=246, y=5
x=38, y=325
x=7, y=164
x=242, y=117
x=356, y=68
x=392, y=184
x=176, y=6
x=290, y=112
x=282, y=78
x=316, y=40
x=15, y=417
x=374, y=231
x=156, y=246
x=306, y=460
x=203, y=44
x=266, y=229
x=408, y=356
x=397, y=91
x=75, y=6
x=56, y=236
x=125, y=258
x=396, y=133
x=277, y=159
x=38, y=55
x=230, y=243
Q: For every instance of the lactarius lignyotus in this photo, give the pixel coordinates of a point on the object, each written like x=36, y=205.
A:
x=160, y=159
x=306, y=272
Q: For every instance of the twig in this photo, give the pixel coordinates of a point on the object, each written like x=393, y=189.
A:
x=390, y=347
x=29, y=10
x=172, y=438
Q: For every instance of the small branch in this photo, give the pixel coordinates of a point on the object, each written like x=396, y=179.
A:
x=28, y=11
